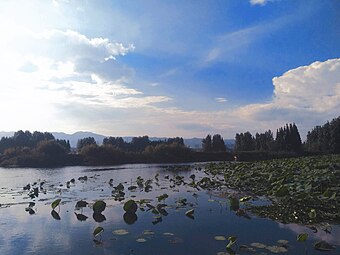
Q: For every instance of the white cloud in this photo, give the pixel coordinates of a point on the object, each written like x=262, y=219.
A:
x=259, y=2
x=220, y=99
x=307, y=95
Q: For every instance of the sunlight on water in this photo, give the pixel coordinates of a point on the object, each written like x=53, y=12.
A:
x=175, y=233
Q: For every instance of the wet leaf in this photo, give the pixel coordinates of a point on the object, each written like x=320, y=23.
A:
x=120, y=232
x=302, y=237
x=130, y=206
x=55, y=203
x=81, y=204
x=312, y=214
x=190, y=213
x=97, y=231
x=162, y=197
x=99, y=206
x=323, y=246
x=141, y=240
x=232, y=241
x=276, y=249
x=220, y=238
x=168, y=234
x=258, y=245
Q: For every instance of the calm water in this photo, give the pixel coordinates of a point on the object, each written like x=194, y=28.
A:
x=40, y=233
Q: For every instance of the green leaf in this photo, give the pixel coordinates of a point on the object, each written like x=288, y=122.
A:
x=162, y=197
x=323, y=246
x=302, y=237
x=55, y=203
x=98, y=231
x=99, y=206
x=232, y=241
x=130, y=206
x=190, y=213
x=312, y=214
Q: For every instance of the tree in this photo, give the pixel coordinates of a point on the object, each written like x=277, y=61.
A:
x=218, y=143
x=139, y=143
x=116, y=142
x=207, y=144
x=84, y=142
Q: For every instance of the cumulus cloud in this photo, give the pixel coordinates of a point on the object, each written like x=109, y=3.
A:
x=308, y=95
x=73, y=44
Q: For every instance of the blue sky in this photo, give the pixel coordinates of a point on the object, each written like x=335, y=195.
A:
x=169, y=68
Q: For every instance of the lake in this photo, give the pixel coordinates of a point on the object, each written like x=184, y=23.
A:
x=33, y=228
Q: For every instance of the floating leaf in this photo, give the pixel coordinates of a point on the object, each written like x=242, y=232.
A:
x=98, y=231
x=312, y=214
x=232, y=241
x=55, y=203
x=258, y=245
x=276, y=249
x=120, y=232
x=246, y=198
x=99, y=206
x=148, y=232
x=302, y=237
x=162, y=197
x=81, y=204
x=323, y=246
x=141, y=240
x=190, y=213
x=220, y=238
x=130, y=206
x=282, y=242
x=168, y=234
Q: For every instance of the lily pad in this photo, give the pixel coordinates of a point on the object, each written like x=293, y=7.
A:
x=258, y=245
x=141, y=240
x=302, y=237
x=232, y=241
x=323, y=246
x=130, y=206
x=148, y=232
x=97, y=231
x=99, y=206
x=168, y=234
x=55, y=203
x=120, y=232
x=190, y=213
x=220, y=238
x=276, y=249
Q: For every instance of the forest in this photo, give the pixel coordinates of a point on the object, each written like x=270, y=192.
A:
x=41, y=149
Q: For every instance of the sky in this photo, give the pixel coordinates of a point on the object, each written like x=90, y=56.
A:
x=168, y=68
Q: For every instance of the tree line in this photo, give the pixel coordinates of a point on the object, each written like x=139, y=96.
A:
x=287, y=139
x=42, y=149
x=287, y=142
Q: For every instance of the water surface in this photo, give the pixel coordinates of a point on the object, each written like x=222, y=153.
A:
x=41, y=233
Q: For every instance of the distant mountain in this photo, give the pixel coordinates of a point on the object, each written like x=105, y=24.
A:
x=194, y=143
x=73, y=138
x=6, y=134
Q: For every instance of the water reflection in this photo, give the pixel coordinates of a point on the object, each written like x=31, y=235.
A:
x=167, y=230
